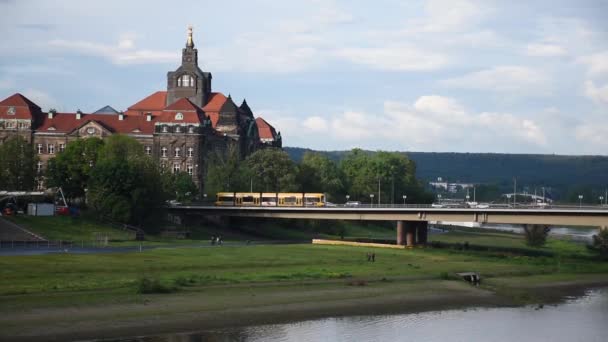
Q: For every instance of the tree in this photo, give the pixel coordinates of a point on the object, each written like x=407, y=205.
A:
x=126, y=185
x=71, y=169
x=179, y=186
x=271, y=170
x=318, y=173
x=600, y=242
x=224, y=171
x=536, y=234
x=17, y=165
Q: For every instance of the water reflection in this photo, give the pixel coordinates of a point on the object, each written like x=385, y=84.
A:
x=578, y=319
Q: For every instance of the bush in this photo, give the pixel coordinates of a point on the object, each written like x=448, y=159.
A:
x=536, y=235
x=147, y=285
x=600, y=242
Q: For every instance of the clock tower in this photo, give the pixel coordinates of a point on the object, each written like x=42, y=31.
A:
x=189, y=80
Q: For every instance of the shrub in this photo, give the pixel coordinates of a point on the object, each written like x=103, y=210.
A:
x=600, y=242
x=147, y=285
x=536, y=235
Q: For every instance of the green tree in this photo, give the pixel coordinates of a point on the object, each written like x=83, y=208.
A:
x=17, y=165
x=318, y=173
x=71, y=169
x=179, y=186
x=600, y=242
x=224, y=172
x=126, y=185
x=272, y=170
x=536, y=234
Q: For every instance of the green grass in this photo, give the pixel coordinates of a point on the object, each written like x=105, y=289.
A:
x=251, y=264
x=72, y=229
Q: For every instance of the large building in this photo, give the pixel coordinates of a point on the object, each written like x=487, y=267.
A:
x=179, y=127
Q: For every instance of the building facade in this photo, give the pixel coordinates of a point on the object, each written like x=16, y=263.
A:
x=178, y=127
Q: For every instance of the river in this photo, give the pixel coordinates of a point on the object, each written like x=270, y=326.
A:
x=583, y=318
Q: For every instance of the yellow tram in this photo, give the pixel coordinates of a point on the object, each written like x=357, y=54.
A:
x=270, y=199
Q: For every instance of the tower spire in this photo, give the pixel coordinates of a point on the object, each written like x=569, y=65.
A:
x=189, y=42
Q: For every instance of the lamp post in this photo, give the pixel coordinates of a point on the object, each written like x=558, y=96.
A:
x=404, y=197
x=508, y=198
x=601, y=200
x=467, y=197
x=371, y=200
x=439, y=198
x=204, y=197
x=347, y=197
x=580, y=201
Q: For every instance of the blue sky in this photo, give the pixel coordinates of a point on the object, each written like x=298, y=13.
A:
x=436, y=75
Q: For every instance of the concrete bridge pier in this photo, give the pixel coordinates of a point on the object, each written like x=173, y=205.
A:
x=400, y=233
x=422, y=232
x=410, y=233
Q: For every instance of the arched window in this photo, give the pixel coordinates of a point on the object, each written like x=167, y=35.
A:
x=191, y=129
x=179, y=116
x=185, y=81
x=163, y=152
x=164, y=129
x=190, y=152
x=177, y=151
x=178, y=129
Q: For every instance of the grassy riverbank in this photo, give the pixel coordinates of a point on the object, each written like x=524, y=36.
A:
x=212, y=285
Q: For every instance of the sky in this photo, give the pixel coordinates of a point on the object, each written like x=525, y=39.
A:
x=429, y=75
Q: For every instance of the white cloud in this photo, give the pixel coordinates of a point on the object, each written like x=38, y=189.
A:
x=545, y=50
x=515, y=79
x=598, y=94
x=315, y=124
x=593, y=133
x=597, y=63
x=401, y=58
x=43, y=99
x=432, y=122
x=449, y=16
x=124, y=52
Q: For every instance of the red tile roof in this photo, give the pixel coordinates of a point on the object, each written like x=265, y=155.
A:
x=265, y=130
x=183, y=104
x=215, y=103
x=21, y=106
x=18, y=100
x=67, y=122
x=154, y=102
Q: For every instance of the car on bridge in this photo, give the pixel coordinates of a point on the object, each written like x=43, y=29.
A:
x=352, y=204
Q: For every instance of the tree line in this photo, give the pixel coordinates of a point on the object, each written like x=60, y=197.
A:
x=388, y=176
x=121, y=182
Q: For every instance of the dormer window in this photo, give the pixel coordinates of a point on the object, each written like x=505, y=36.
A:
x=185, y=81
x=179, y=116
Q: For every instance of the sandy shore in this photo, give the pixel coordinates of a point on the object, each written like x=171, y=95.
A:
x=240, y=305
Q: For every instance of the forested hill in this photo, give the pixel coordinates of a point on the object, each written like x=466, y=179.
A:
x=497, y=168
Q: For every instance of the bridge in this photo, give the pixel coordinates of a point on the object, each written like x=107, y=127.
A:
x=412, y=220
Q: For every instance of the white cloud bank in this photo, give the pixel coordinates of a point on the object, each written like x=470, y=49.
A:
x=512, y=79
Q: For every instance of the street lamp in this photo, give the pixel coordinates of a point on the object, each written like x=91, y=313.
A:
x=508, y=198
x=371, y=200
x=204, y=197
x=439, y=197
x=404, y=197
x=467, y=196
x=601, y=200
x=580, y=201
x=347, y=197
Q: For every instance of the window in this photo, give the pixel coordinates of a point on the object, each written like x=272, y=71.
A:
x=176, y=168
x=190, y=169
x=61, y=147
x=190, y=152
x=51, y=148
x=40, y=185
x=163, y=167
x=22, y=125
x=39, y=167
x=191, y=129
x=178, y=152
x=178, y=129
x=10, y=124
x=179, y=116
x=185, y=81
x=163, y=152
x=148, y=150
x=164, y=129
x=91, y=130
x=39, y=148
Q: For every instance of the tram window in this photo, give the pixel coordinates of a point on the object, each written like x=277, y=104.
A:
x=247, y=198
x=225, y=199
x=290, y=200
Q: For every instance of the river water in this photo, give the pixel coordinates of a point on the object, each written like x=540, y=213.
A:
x=577, y=319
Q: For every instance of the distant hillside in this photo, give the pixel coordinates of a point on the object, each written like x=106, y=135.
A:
x=496, y=168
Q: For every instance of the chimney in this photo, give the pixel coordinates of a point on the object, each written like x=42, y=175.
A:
x=52, y=113
x=121, y=116
x=148, y=116
x=78, y=114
